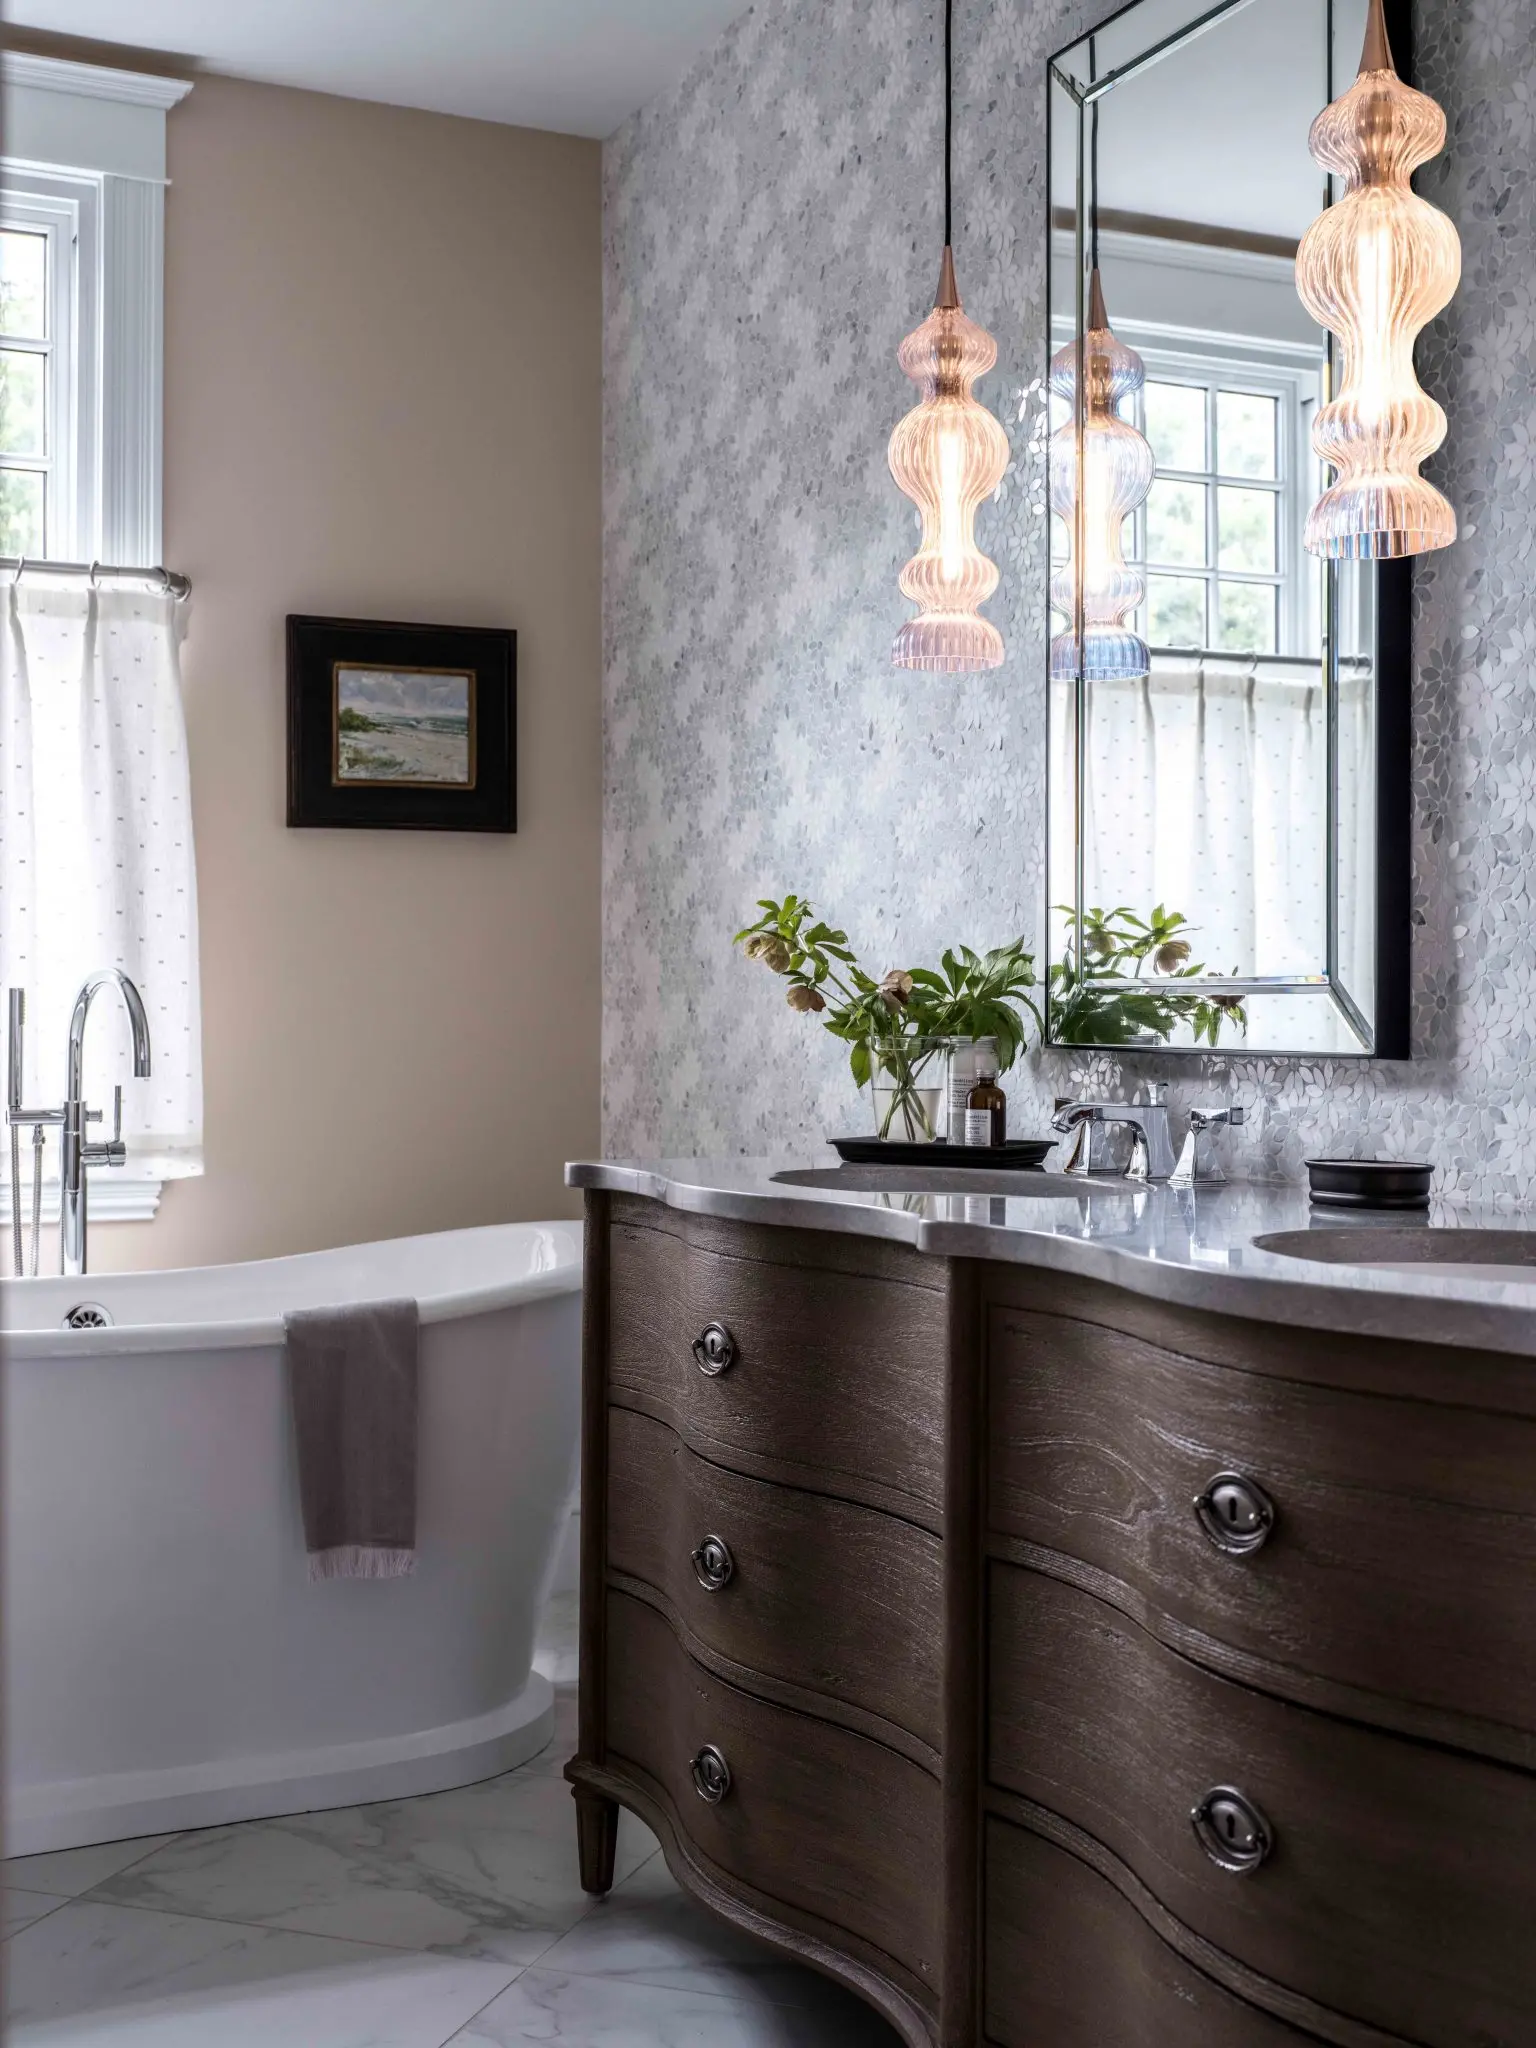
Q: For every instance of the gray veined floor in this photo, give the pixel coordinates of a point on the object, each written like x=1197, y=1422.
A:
x=453, y=1918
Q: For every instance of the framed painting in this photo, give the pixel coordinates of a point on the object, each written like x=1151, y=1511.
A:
x=398, y=726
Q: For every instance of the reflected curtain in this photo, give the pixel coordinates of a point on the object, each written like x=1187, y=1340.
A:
x=1205, y=790
x=96, y=855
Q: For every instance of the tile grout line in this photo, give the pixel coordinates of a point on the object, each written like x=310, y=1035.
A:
x=387, y=1948
x=11, y=1884
x=57, y=1907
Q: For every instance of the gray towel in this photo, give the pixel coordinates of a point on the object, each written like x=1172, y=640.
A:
x=352, y=1382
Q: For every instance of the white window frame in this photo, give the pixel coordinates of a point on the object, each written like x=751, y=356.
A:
x=69, y=220
x=1289, y=375
x=91, y=140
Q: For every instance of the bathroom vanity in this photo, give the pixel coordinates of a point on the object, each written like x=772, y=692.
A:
x=1062, y=1618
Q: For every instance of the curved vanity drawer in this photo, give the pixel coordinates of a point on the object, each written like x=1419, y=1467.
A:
x=823, y=1821
x=1398, y=1581
x=829, y=1376
x=1071, y=1962
x=834, y=1598
x=1400, y=1888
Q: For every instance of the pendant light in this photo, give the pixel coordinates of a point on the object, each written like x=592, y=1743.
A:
x=947, y=455
x=1102, y=468
x=1375, y=268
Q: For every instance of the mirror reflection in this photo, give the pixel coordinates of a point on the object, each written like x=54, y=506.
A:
x=1216, y=877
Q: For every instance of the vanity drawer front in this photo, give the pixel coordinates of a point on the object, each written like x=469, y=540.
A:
x=820, y=1593
x=822, y=1820
x=1400, y=1888
x=833, y=1377
x=1072, y=1964
x=1402, y=1559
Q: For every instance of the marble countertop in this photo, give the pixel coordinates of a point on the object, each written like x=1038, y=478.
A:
x=1196, y=1247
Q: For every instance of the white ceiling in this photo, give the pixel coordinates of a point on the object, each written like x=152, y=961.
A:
x=579, y=66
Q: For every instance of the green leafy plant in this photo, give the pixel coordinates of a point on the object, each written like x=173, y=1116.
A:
x=1125, y=991
x=889, y=1025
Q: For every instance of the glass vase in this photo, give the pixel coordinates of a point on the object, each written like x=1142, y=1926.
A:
x=907, y=1082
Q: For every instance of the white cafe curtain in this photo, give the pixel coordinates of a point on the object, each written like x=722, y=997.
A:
x=1205, y=789
x=96, y=860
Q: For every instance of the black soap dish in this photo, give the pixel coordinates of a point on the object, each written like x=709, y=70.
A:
x=1370, y=1183
x=1018, y=1153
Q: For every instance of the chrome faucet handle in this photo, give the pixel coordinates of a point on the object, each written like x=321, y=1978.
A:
x=1193, y=1167
x=109, y=1151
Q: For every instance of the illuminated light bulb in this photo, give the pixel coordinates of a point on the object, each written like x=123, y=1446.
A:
x=1117, y=472
x=1375, y=268
x=947, y=455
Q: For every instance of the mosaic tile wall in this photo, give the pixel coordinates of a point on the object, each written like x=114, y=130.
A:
x=772, y=229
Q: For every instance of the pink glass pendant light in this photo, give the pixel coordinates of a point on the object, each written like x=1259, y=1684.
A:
x=1374, y=268
x=1113, y=465
x=947, y=455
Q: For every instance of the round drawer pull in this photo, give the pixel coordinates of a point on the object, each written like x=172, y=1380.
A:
x=1232, y=1831
x=713, y=1564
x=714, y=1350
x=1236, y=1513
x=711, y=1775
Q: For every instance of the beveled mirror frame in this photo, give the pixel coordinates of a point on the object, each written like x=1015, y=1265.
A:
x=1385, y=1033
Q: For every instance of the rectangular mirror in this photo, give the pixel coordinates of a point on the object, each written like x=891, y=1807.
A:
x=1229, y=715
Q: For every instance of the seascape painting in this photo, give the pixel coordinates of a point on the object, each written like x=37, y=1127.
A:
x=399, y=725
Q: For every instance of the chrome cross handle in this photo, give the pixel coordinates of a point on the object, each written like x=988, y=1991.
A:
x=1195, y=1163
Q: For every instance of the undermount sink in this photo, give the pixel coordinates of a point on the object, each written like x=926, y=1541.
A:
x=1408, y=1248
x=874, y=1179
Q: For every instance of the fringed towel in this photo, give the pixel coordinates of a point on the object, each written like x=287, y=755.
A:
x=352, y=1382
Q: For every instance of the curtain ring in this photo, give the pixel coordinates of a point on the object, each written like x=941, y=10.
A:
x=95, y=572
x=21, y=563
x=165, y=580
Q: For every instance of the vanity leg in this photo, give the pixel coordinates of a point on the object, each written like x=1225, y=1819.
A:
x=597, y=1837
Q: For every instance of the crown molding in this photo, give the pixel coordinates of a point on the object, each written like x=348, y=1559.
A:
x=92, y=81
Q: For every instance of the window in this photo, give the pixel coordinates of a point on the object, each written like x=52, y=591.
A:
x=1220, y=536
x=96, y=857
x=82, y=202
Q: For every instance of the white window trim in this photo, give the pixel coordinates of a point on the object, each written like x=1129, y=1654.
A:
x=67, y=213
x=116, y=1195
x=1290, y=376
x=97, y=136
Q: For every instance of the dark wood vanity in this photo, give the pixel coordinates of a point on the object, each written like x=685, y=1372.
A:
x=1058, y=1667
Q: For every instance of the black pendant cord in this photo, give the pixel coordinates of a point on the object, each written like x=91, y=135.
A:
x=1093, y=129
x=949, y=122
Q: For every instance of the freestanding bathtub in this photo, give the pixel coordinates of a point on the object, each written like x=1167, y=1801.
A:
x=168, y=1662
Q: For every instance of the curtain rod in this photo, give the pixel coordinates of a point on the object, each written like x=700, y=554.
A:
x=17, y=566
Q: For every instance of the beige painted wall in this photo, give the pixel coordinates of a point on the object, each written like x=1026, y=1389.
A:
x=382, y=401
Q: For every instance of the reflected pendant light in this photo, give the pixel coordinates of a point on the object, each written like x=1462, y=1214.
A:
x=1375, y=268
x=947, y=455
x=1112, y=466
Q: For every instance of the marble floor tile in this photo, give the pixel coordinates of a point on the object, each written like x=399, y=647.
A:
x=71, y=1872
x=605, y=2012
x=20, y=1909
x=98, y=1976
x=648, y=1931
x=489, y=1871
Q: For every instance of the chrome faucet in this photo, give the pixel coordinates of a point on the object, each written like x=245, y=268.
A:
x=1196, y=1167
x=1151, y=1144
x=76, y=1151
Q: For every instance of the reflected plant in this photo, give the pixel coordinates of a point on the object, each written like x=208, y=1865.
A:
x=1125, y=991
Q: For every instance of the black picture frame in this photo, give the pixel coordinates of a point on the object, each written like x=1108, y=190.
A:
x=359, y=774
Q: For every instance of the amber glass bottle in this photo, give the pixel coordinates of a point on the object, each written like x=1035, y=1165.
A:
x=986, y=1109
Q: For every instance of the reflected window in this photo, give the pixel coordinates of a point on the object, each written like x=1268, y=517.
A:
x=1219, y=538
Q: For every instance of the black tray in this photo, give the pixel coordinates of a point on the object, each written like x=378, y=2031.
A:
x=1017, y=1152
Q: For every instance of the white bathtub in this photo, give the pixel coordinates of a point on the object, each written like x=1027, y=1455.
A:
x=168, y=1662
